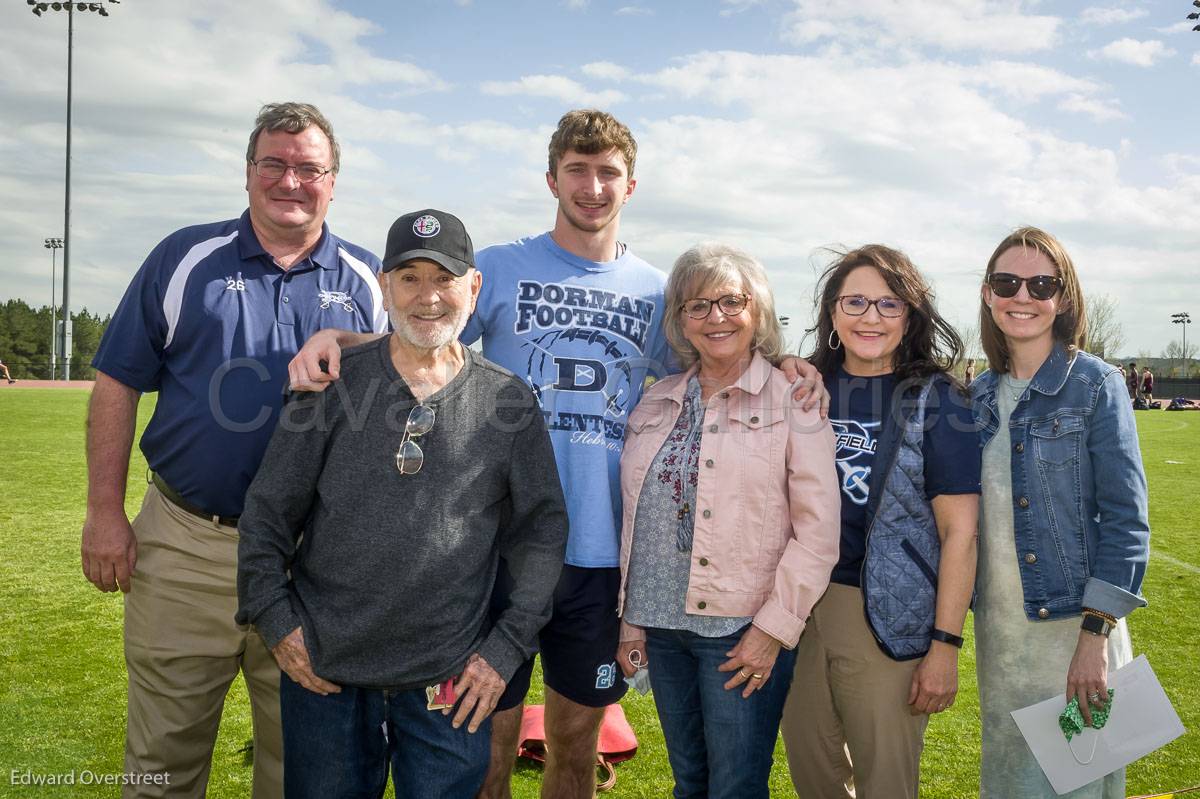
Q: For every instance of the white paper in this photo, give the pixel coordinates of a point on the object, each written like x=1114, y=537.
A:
x=1141, y=721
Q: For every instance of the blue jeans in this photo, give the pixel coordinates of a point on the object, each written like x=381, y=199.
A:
x=336, y=746
x=718, y=744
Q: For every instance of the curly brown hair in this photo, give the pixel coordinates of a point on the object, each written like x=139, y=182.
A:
x=590, y=131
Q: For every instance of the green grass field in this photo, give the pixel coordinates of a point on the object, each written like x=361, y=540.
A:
x=62, y=695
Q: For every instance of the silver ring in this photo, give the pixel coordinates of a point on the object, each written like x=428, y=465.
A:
x=756, y=676
x=1094, y=695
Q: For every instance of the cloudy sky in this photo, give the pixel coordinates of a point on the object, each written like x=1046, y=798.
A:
x=783, y=126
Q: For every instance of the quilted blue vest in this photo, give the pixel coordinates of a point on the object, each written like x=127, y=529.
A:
x=899, y=575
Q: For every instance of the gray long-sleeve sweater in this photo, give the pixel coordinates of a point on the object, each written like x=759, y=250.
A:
x=392, y=577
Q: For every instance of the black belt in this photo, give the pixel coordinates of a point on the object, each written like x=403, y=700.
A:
x=177, y=500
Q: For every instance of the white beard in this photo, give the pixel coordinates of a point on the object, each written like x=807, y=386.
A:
x=429, y=337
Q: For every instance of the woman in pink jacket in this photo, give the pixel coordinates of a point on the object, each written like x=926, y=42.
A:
x=730, y=527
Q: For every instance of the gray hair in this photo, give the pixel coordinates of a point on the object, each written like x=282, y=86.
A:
x=712, y=264
x=293, y=118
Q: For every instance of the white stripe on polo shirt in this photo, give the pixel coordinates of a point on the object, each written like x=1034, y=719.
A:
x=173, y=299
x=379, y=318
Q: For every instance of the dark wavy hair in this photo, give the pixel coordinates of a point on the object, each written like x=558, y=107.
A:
x=929, y=343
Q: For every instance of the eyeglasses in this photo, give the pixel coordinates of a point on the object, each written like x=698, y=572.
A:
x=701, y=307
x=857, y=305
x=410, y=458
x=272, y=169
x=1041, y=287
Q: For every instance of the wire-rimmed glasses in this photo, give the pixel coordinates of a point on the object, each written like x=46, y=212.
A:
x=410, y=458
x=273, y=169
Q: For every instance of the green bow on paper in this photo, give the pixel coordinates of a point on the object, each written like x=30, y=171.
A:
x=1071, y=720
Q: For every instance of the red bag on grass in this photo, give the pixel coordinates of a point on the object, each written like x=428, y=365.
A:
x=617, y=742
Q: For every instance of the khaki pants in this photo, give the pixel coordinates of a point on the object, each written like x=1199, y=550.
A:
x=846, y=723
x=183, y=650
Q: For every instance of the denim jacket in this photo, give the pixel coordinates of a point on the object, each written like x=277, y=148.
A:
x=1079, y=493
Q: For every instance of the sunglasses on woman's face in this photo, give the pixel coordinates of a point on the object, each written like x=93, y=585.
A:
x=1040, y=287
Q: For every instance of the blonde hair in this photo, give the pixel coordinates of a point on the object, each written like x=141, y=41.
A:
x=712, y=264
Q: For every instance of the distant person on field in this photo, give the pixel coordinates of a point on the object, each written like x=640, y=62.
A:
x=4, y=370
x=1148, y=383
x=210, y=322
x=969, y=373
x=1132, y=382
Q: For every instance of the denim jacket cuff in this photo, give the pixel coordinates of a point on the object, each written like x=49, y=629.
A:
x=1108, y=598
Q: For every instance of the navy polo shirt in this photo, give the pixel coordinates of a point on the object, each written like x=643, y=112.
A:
x=210, y=322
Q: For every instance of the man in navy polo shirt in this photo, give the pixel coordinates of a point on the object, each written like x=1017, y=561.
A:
x=210, y=322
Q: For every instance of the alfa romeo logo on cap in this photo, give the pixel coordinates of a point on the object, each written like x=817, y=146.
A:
x=427, y=226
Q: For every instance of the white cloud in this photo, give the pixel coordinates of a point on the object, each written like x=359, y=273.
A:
x=1135, y=52
x=1026, y=81
x=1097, y=15
x=605, y=70
x=634, y=11
x=952, y=25
x=1196, y=59
x=865, y=136
x=555, y=87
x=732, y=7
x=940, y=159
x=1099, y=110
x=576, y=5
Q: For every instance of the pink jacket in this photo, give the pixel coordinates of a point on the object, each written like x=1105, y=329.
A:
x=768, y=515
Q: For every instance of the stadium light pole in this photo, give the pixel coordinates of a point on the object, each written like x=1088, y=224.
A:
x=53, y=245
x=1185, y=320
x=39, y=8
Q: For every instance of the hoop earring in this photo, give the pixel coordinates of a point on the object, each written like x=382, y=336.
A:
x=829, y=341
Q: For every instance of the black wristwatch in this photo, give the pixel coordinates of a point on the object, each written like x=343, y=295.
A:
x=1096, y=625
x=955, y=641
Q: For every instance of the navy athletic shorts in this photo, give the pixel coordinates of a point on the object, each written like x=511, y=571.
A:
x=578, y=645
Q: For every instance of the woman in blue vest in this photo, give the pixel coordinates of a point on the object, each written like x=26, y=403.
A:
x=1065, y=533
x=880, y=653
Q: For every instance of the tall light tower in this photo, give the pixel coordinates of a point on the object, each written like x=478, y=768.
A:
x=1185, y=320
x=53, y=245
x=38, y=8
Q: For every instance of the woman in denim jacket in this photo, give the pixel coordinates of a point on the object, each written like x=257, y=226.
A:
x=1065, y=534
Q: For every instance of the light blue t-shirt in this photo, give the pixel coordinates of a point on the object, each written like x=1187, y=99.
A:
x=584, y=336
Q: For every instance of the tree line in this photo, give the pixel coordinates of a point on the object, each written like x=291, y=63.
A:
x=25, y=341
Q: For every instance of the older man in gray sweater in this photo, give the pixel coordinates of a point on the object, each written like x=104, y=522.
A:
x=371, y=537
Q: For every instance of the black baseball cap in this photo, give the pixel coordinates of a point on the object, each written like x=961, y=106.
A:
x=431, y=234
